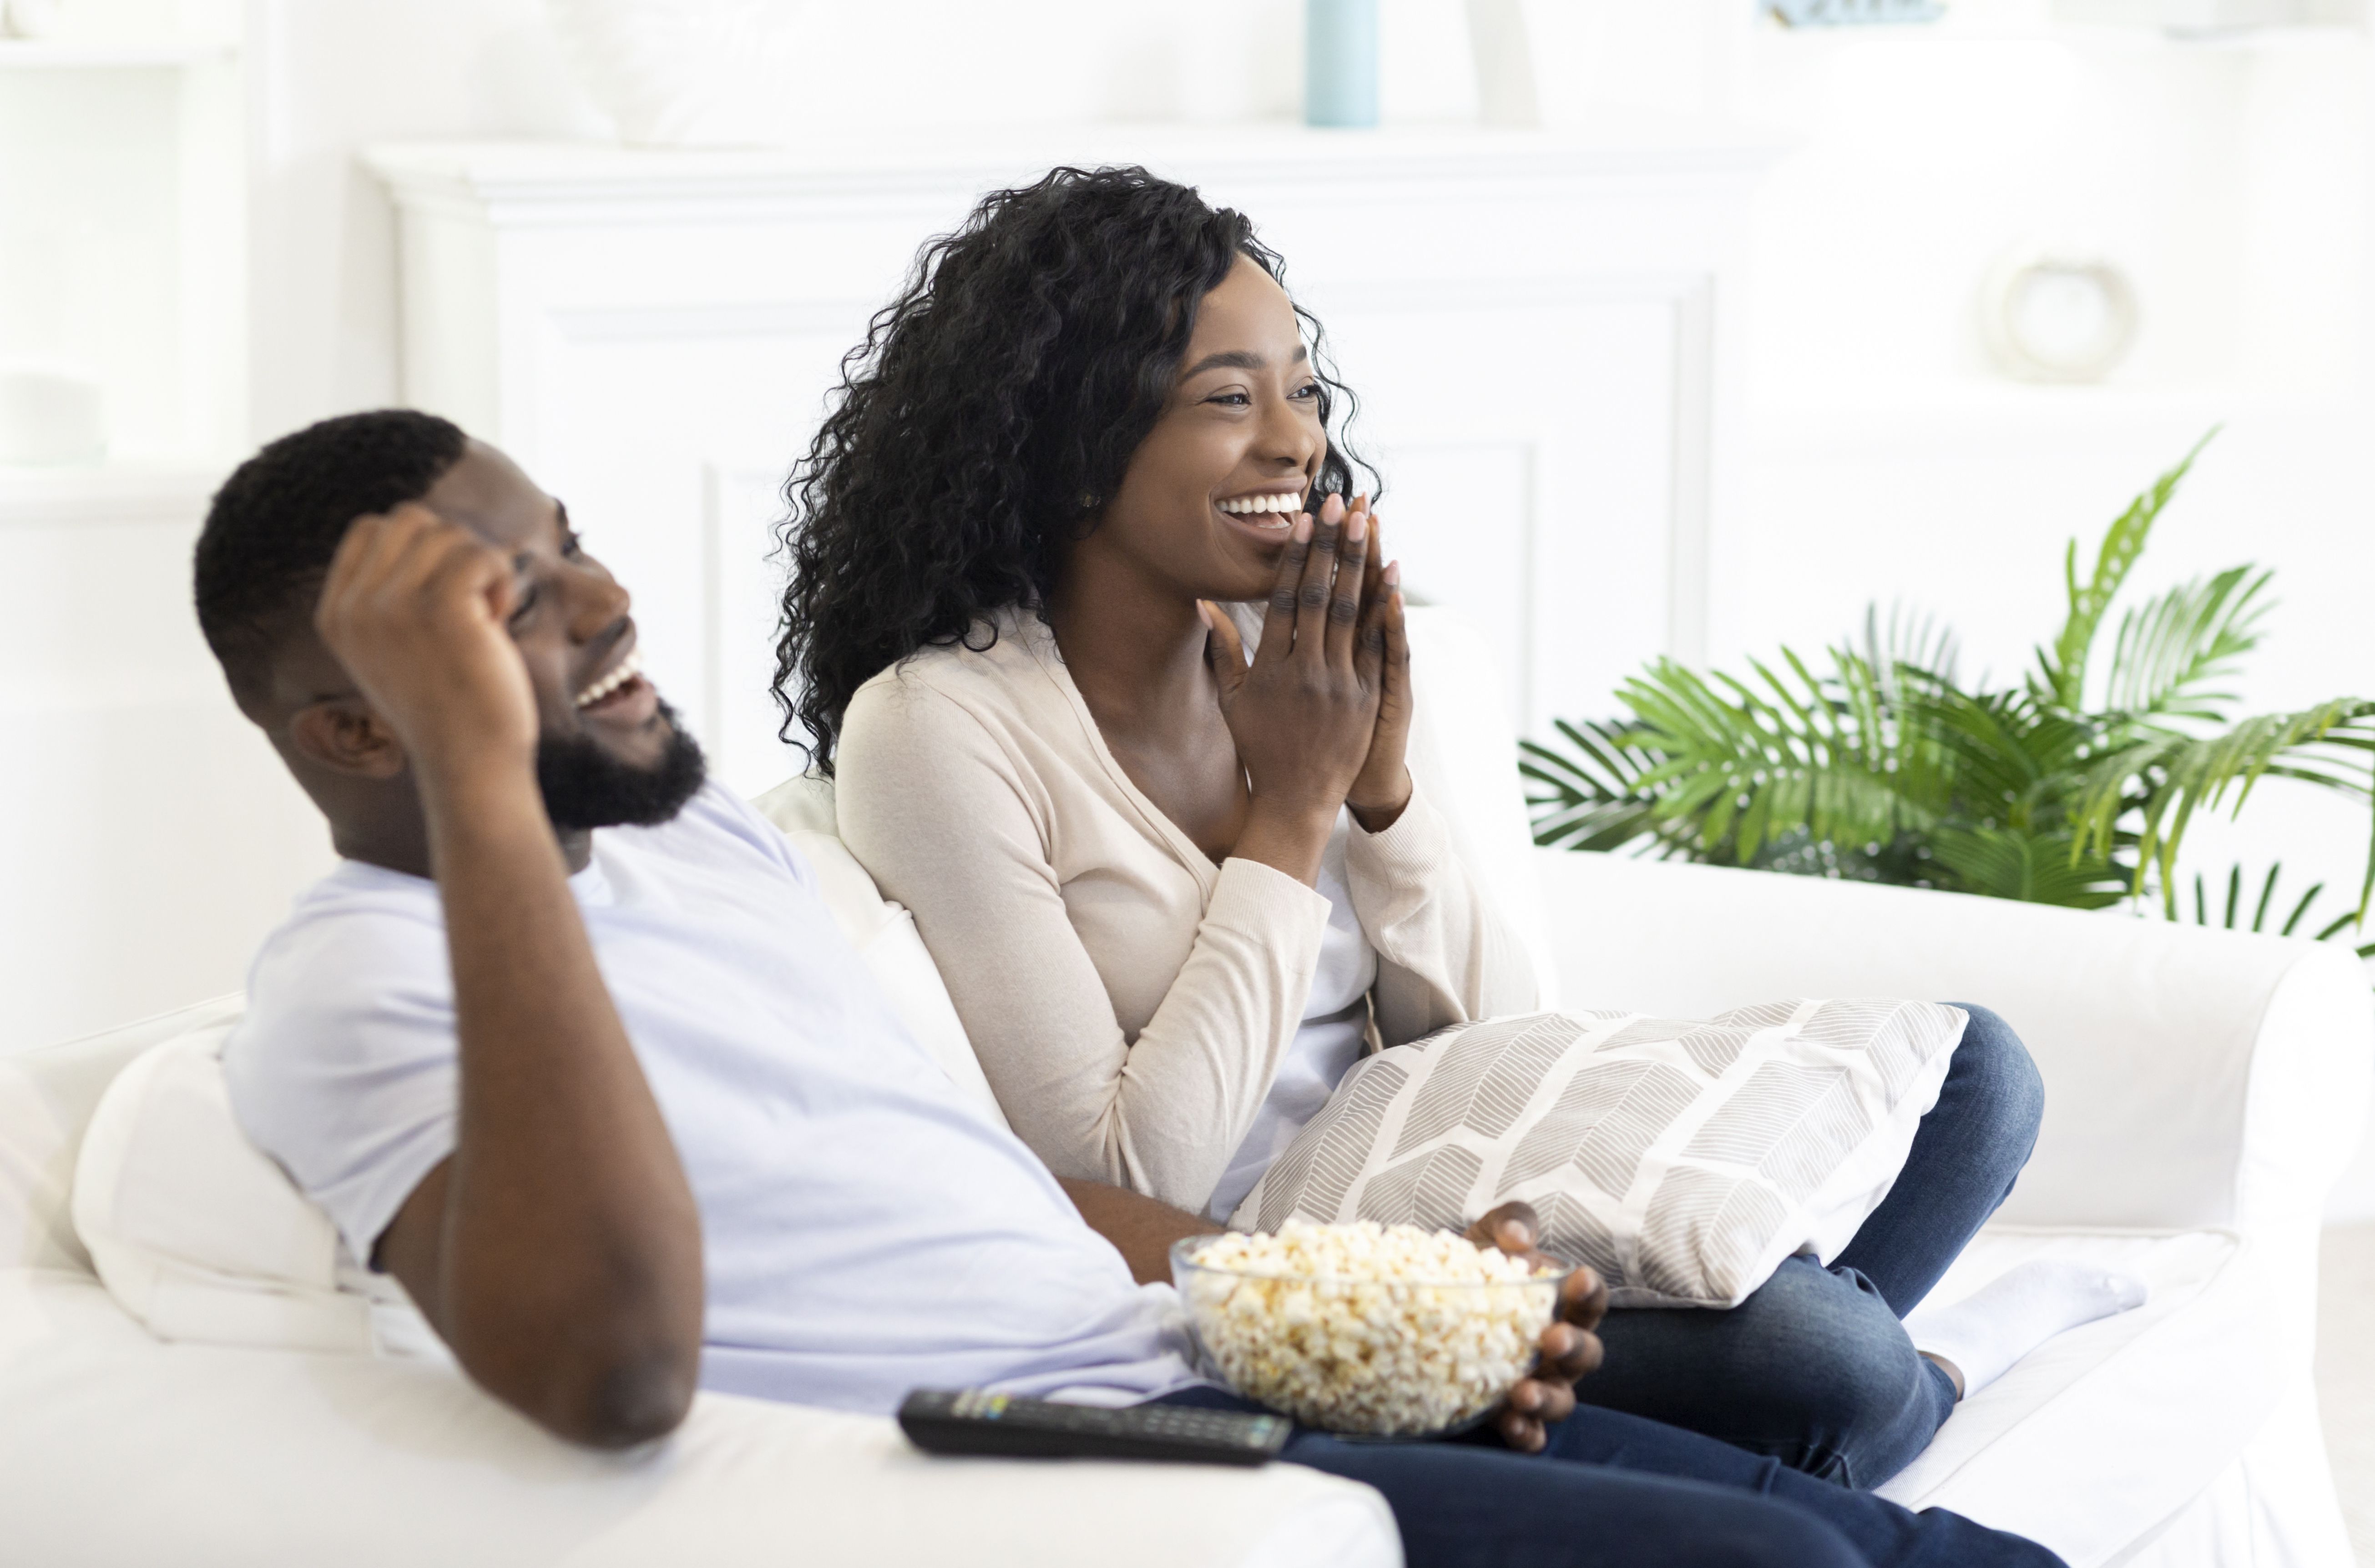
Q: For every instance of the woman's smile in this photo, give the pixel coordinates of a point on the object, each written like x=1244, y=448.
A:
x=1268, y=514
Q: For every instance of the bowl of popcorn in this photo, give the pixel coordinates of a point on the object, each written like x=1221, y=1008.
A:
x=1364, y=1329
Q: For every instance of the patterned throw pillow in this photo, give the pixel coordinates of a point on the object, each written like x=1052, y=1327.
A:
x=1682, y=1158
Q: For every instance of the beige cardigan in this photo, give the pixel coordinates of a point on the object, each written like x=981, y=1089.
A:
x=1130, y=1000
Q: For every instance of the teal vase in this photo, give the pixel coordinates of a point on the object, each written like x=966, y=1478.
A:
x=1340, y=63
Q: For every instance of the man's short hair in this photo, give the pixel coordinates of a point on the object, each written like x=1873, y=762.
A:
x=276, y=524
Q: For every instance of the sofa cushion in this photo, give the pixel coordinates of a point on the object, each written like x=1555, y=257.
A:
x=1682, y=1158
x=47, y=1098
x=196, y=1232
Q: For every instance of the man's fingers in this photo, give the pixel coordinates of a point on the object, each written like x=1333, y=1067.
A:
x=1569, y=1352
x=1278, y=620
x=1583, y=1298
x=1522, y=1432
x=1224, y=648
x=404, y=556
x=1512, y=1228
x=1352, y=582
x=1544, y=1401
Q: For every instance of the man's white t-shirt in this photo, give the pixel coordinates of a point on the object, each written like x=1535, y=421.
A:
x=865, y=1231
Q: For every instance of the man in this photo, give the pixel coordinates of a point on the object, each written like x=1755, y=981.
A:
x=569, y=1044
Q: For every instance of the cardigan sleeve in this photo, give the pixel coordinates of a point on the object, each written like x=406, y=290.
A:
x=1445, y=955
x=955, y=827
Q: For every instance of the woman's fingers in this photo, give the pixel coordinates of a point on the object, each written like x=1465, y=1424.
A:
x=1224, y=649
x=1278, y=620
x=1311, y=591
x=1352, y=585
x=1369, y=654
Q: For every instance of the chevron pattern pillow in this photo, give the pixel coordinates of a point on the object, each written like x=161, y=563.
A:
x=1682, y=1158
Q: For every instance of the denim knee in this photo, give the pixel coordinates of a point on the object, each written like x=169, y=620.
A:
x=1838, y=1392
x=1996, y=1079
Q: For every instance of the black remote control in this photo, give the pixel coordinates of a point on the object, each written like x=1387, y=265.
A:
x=947, y=1421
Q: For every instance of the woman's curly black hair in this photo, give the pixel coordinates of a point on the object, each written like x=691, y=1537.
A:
x=991, y=409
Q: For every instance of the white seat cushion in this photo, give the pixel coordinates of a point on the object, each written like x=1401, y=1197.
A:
x=2101, y=1400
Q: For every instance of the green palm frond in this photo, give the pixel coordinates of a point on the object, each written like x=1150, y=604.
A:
x=2062, y=671
x=2260, y=910
x=2008, y=863
x=2170, y=645
x=1589, y=796
x=1910, y=639
x=1739, y=766
x=2166, y=778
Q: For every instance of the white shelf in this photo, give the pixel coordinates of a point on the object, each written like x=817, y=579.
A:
x=127, y=492
x=49, y=55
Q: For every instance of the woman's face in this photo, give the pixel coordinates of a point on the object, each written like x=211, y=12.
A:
x=1204, y=507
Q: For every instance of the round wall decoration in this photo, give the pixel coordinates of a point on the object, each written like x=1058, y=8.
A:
x=2056, y=316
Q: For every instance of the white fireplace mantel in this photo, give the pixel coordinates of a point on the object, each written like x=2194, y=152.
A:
x=1541, y=328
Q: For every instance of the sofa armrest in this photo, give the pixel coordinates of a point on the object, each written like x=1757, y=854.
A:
x=2193, y=1076
x=118, y=1451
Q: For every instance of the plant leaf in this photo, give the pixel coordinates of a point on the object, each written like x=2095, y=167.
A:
x=2063, y=668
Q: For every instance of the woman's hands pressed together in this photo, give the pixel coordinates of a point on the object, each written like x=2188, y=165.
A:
x=1321, y=713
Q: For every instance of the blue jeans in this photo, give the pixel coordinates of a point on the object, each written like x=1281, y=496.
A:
x=1613, y=1490
x=1814, y=1369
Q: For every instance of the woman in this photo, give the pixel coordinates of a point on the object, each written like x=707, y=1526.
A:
x=1173, y=888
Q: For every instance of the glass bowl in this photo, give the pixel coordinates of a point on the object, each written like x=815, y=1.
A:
x=1402, y=1357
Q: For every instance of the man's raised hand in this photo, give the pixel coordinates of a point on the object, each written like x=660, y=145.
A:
x=415, y=609
x=1570, y=1351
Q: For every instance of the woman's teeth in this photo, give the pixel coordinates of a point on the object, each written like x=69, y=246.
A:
x=1284, y=504
x=628, y=668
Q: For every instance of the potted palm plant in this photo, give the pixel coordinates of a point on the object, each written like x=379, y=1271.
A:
x=2072, y=785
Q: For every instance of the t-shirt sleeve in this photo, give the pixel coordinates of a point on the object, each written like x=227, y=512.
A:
x=344, y=1068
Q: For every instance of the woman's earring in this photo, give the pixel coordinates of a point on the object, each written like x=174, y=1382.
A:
x=1089, y=501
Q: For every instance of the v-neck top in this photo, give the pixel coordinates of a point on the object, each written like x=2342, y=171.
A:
x=1131, y=1002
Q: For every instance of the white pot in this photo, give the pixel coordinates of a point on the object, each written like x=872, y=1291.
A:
x=679, y=73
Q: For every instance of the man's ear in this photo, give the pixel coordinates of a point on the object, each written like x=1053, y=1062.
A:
x=346, y=736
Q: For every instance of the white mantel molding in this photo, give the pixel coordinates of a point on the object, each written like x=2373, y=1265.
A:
x=563, y=182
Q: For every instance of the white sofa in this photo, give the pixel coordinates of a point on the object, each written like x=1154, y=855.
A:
x=2203, y=1090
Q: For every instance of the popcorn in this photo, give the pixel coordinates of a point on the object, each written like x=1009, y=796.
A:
x=1388, y=1330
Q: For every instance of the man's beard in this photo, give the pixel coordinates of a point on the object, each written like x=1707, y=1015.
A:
x=586, y=787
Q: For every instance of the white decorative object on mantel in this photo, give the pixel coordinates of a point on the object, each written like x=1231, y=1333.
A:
x=678, y=73
x=1540, y=329
x=2057, y=315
